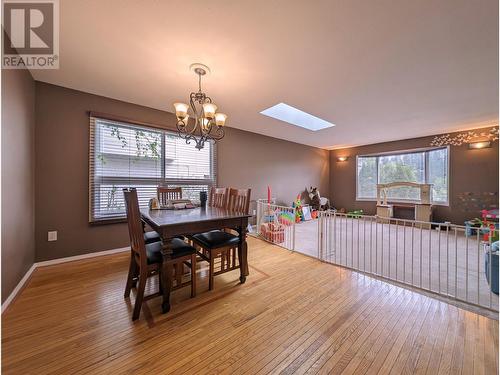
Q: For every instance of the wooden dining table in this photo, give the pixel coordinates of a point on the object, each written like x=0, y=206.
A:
x=171, y=223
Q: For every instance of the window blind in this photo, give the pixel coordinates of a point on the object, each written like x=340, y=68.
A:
x=123, y=155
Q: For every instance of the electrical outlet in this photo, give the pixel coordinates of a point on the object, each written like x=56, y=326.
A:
x=52, y=235
x=254, y=212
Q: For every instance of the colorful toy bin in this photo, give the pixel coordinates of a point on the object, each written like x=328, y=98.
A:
x=273, y=232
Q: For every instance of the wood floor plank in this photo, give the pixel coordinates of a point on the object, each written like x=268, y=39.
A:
x=408, y=356
x=371, y=341
x=431, y=337
x=337, y=357
x=437, y=350
x=288, y=334
x=377, y=354
x=409, y=331
x=293, y=315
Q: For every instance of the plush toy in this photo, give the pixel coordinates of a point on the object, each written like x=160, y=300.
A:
x=317, y=202
x=286, y=218
x=298, y=209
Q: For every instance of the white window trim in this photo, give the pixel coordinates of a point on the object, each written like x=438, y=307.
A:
x=410, y=151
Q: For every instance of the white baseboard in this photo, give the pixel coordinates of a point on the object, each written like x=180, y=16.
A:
x=80, y=257
x=18, y=287
x=35, y=265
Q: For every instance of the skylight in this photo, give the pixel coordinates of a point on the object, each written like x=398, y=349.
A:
x=294, y=116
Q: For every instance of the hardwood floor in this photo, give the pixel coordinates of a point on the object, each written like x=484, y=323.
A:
x=294, y=315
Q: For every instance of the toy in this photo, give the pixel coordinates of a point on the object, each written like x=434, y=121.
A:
x=298, y=209
x=318, y=202
x=285, y=218
x=356, y=214
x=486, y=228
x=471, y=226
x=489, y=214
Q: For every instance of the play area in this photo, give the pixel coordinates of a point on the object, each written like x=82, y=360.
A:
x=459, y=262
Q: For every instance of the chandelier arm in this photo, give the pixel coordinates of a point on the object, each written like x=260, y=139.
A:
x=219, y=133
x=200, y=143
x=195, y=112
x=188, y=138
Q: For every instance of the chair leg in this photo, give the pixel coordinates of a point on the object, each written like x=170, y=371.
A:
x=179, y=270
x=130, y=278
x=160, y=284
x=193, y=275
x=211, y=272
x=139, y=296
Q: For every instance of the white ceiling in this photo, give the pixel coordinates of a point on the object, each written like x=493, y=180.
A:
x=380, y=70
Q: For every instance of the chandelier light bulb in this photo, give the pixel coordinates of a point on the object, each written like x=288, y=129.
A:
x=220, y=119
x=181, y=110
x=209, y=110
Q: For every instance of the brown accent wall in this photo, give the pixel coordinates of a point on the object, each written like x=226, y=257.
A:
x=255, y=161
x=473, y=171
x=244, y=160
x=18, y=177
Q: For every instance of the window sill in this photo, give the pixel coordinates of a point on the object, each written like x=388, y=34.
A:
x=108, y=221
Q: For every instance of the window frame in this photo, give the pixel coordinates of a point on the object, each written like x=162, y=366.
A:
x=424, y=150
x=95, y=181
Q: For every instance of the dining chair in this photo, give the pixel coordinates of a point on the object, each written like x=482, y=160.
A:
x=218, y=197
x=223, y=244
x=164, y=194
x=146, y=260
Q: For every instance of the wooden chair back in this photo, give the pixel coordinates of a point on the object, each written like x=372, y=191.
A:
x=218, y=197
x=135, y=229
x=164, y=194
x=239, y=200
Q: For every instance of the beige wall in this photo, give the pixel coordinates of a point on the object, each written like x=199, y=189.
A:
x=18, y=177
x=474, y=171
x=245, y=159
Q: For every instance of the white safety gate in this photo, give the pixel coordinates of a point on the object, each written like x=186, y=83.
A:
x=276, y=224
x=444, y=259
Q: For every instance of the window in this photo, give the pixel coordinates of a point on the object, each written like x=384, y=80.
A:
x=428, y=166
x=127, y=155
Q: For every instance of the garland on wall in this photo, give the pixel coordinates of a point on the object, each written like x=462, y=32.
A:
x=465, y=137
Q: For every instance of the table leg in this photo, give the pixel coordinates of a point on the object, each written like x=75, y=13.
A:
x=242, y=254
x=166, y=274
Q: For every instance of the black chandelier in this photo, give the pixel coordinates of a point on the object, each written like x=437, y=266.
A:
x=208, y=124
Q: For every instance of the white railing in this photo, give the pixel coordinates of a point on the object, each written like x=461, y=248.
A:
x=276, y=224
x=440, y=258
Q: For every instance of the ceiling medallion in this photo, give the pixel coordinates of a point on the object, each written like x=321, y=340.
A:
x=465, y=137
x=207, y=124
